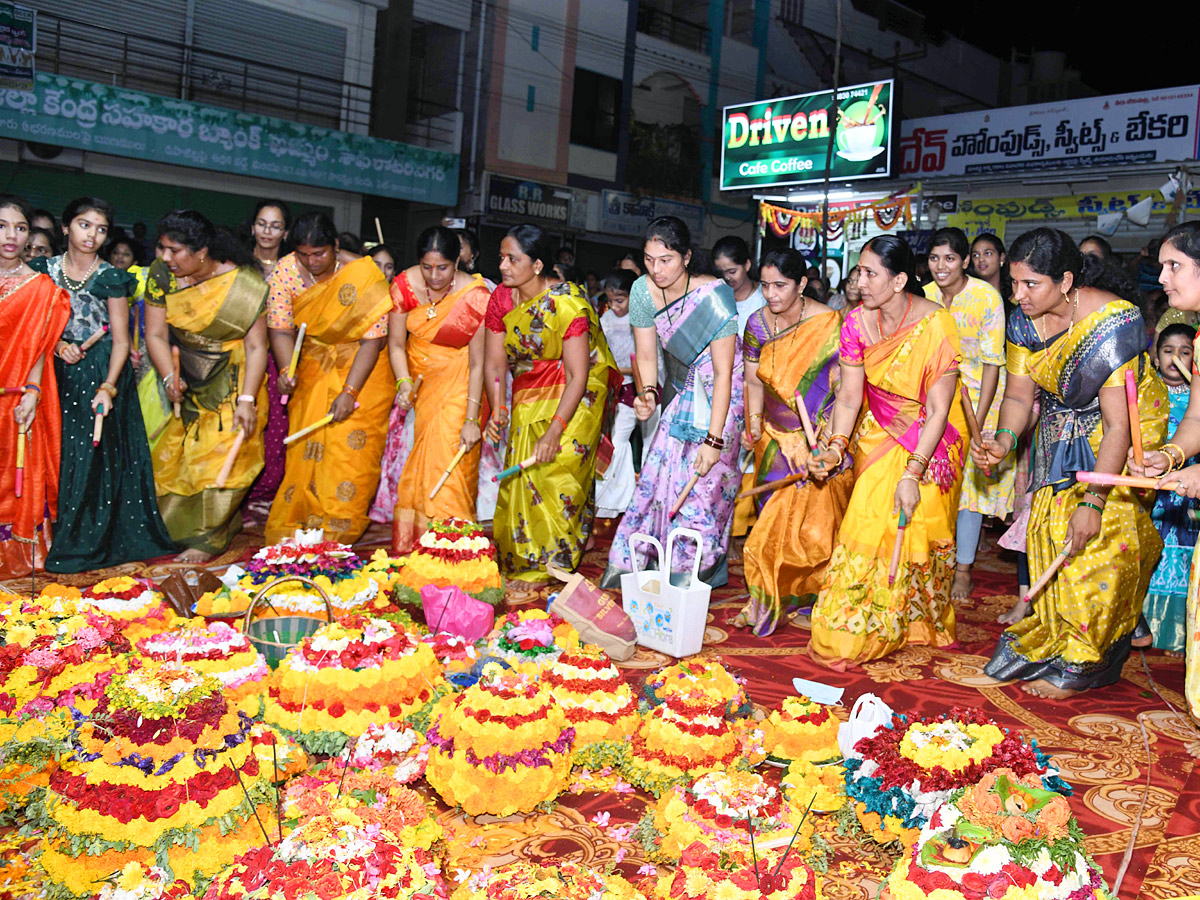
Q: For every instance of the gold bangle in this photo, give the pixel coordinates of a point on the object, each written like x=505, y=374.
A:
x=841, y=455
x=108, y=389
x=840, y=437
x=756, y=415
x=909, y=476
x=473, y=400
x=350, y=389
x=1182, y=459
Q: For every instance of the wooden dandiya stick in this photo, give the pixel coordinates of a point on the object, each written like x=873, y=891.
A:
x=897, y=547
x=97, y=430
x=417, y=387
x=378, y=230
x=309, y=429
x=973, y=424
x=1050, y=572
x=514, y=470
x=1104, y=478
x=20, y=461
x=1135, y=422
x=687, y=489
x=11, y=390
x=638, y=384
x=496, y=406
x=462, y=451
x=771, y=486
x=95, y=336
x=227, y=466
x=809, y=433
x=175, y=369
x=295, y=360
x=1185, y=372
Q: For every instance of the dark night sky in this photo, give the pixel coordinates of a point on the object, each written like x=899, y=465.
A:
x=1117, y=48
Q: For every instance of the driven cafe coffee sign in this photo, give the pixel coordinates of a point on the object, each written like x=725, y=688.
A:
x=772, y=143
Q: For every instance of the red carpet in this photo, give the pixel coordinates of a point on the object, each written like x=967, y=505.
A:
x=1096, y=739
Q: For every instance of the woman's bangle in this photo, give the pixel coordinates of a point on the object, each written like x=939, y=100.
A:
x=350, y=389
x=756, y=415
x=400, y=381
x=473, y=419
x=247, y=398
x=841, y=452
x=1099, y=509
x=473, y=400
x=108, y=388
x=715, y=441
x=1175, y=464
x=167, y=379
x=909, y=476
x=32, y=388
x=919, y=459
x=1091, y=493
x=1008, y=431
x=559, y=419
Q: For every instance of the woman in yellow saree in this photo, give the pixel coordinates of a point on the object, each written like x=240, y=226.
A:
x=900, y=352
x=1071, y=342
x=218, y=326
x=434, y=334
x=330, y=475
x=563, y=377
x=791, y=356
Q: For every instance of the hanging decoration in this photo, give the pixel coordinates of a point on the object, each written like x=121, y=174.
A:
x=850, y=218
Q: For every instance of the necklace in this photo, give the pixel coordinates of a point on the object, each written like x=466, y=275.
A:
x=9, y=273
x=907, y=310
x=432, y=305
x=70, y=283
x=803, y=304
x=312, y=279
x=1070, y=325
x=666, y=303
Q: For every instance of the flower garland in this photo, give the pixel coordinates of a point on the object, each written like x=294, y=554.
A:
x=888, y=783
x=730, y=874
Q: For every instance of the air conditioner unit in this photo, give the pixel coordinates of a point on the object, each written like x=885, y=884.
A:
x=51, y=155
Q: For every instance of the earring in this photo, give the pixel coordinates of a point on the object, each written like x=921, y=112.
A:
x=896, y=290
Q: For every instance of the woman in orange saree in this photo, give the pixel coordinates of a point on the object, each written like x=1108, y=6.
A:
x=791, y=356
x=899, y=351
x=33, y=313
x=438, y=339
x=330, y=475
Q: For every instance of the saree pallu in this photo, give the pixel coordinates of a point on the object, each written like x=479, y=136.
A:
x=685, y=329
x=33, y=316
x=209, y=323
x=437, y=350
x=789, y=548
x=858, y=615
x=1078, y=635
x=331, y=475
x=544, y=514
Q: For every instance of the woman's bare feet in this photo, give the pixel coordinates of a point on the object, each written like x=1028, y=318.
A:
x=193, y=556
x=1046, y=690
x=962, y=587
x=1174, y=654
x=1019, y=610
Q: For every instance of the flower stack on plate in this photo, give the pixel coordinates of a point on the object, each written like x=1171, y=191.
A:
x=598, y=704
x=719, y=810
x=335, y=567
x=708, y=873
x=139, y=881
x=694, y=728
x=216, y=649
x=346, y=676
x=139, y=608
x=562, y=880
x=802, y=730
x=330, y=858
x=453, y=553
x=531, y=639
x=1004, y=838
x=501, y=746
x=164, y=774
x=900, y=775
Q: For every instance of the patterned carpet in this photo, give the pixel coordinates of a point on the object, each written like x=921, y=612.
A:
x=1107, y=743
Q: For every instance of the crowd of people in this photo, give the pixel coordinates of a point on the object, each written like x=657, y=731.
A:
x=159, y=389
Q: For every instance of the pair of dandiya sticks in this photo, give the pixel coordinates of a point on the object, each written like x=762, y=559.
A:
x=20, y=481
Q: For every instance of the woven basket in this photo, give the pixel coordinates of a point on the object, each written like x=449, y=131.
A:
x=274, y=637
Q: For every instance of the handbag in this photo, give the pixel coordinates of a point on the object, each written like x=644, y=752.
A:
x=668, y=617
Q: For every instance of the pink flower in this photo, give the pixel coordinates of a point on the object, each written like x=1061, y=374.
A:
x=620, y=855
x=41, y=658
x=88, y=638
x=620, y=832
x=622, y=787
x=602, y=818
x=648, y=869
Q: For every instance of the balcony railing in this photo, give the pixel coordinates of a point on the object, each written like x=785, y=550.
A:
x=680, y=32
x=86, y=50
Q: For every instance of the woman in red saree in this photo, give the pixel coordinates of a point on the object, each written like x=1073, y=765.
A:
x=33, y=313
x=434, y=333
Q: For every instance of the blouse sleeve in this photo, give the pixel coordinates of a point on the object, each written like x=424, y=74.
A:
x=284, y=284
x=641, y=305
x=752, y=340
x=378, y=330
x=850, y=348
x=403, y=298
x=499, y=305
x=1018, y=344
x=991, y=331
x=159, y=283
x=113, y=282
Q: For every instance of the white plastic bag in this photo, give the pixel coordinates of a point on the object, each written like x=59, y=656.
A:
x=669, y=618
x=868, y=715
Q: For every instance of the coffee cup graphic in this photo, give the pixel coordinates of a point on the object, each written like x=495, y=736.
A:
x=862, y=131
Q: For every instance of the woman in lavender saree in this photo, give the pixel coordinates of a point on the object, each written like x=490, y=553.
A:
x=695, y=319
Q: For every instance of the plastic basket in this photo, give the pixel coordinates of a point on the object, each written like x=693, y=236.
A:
x=274, y=637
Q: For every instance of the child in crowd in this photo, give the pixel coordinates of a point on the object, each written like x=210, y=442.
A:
x=614, y=488
x=1166, y=598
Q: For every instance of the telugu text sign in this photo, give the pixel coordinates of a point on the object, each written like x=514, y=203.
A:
x=1152, y=126
x=69, y=112
x=785, y=141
